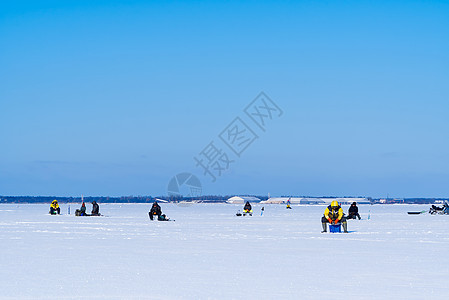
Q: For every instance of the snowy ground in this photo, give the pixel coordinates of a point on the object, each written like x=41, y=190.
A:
x=209, y=253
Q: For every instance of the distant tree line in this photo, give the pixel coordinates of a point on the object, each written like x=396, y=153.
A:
x=122, y=199
x=202, y=199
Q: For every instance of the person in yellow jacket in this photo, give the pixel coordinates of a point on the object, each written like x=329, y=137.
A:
x=54, y=208
x=333, y=214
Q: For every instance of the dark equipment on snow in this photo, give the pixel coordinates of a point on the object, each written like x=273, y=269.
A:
x=163, y=218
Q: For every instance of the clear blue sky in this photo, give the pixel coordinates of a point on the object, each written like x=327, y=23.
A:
x=116, y=97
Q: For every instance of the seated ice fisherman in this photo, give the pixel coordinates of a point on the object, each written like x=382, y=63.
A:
x=155, y=211
x=81, y=211
x=95, y=209
x=333, y=214
x=54, y=208
x=353, y=211
x=247, y=209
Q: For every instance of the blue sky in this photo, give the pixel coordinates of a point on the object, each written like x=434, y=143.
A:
x=116, y=97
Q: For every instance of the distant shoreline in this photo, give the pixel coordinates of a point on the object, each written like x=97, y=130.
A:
x=202, y=199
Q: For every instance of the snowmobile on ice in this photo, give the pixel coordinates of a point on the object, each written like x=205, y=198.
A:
x=436, y=210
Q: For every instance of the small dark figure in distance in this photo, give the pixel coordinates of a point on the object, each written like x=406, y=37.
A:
x=247, y=209
x=353, y=211
x=333, y=214
x=155, y=211
x=95, y=209
x=54, y=208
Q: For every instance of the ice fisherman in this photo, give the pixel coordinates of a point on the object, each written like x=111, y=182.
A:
x=54, y=208
x=353, y=211
x=155, y=211
x=247, y=209
x=333, y=214
x=81, y=211
x=95, y=209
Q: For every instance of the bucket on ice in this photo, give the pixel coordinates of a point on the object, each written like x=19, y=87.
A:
x=334, y=228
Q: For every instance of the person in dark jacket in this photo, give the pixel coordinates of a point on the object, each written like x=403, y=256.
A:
x=353, y=211
x=81, y=211
x=247, y=209
x=95, y=209
x=155, y=211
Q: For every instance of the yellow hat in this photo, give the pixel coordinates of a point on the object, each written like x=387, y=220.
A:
x=334, y=203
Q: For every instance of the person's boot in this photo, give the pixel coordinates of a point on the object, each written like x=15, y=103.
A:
x=345, y=227
x=324, y=227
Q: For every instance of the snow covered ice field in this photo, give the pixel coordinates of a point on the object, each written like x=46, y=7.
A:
x=209, y=253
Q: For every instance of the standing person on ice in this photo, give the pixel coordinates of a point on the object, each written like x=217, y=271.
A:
x=247, y=209
x=54, y=208
x=155, y=211
x=353, y=211
x=95, y=209
x=332, y=215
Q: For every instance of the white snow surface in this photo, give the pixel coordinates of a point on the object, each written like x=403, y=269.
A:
x=209, y=253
